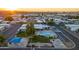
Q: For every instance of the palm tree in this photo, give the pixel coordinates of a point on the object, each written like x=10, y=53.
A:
x=30, y=28
x=22, y=16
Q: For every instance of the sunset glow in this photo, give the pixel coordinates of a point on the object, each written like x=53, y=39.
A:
x=49, y=9
x=12, y=9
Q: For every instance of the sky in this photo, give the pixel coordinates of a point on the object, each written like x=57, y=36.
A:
x=40, y=5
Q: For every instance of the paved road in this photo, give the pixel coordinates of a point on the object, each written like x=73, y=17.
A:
x=9, y=33
x=72, y=37
x=66, y=41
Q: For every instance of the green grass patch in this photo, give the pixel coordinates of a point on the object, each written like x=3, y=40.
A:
x=39, y=38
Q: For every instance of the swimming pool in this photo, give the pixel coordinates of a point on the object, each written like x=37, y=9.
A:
x=15, y=40
x=46, y=33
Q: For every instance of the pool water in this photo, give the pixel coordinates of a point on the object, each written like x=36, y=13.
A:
x=15, y=40
x=46, y=33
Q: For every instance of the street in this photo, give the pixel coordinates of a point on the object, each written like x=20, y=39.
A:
x=71, y=36
x=9, y=33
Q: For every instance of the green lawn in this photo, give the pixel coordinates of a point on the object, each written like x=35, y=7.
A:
x=39, y=38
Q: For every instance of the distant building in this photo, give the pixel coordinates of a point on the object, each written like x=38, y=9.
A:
x=72, y=27
x=36, y=26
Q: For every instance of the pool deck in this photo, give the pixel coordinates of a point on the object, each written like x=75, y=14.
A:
x=22, y=44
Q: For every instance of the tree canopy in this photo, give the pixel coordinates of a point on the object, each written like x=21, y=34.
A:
x=50, y=22
x=8, y=18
